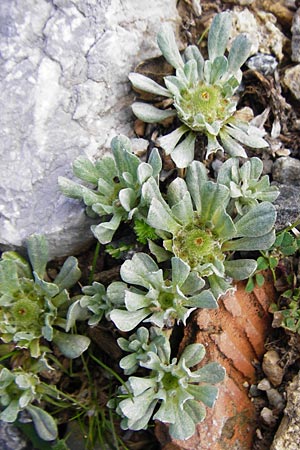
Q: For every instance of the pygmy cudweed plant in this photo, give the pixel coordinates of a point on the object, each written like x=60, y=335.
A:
x=196, y=228
x=19, y=389
x=161, y=301
x=247, y=187
x=32, y=308
x=202, y=93
x=116, y=182
x=178, y=394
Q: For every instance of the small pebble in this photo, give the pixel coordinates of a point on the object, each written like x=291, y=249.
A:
x=268, y=417
x=263, y=63
x=275, y=398
x=264, y=385
x=271, y=368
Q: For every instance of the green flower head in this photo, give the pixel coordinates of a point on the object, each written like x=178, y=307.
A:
x=178, y=394
x=197, y=229
x=30, y=307
x=116, y=185
x=159, y=300
x=202, y=94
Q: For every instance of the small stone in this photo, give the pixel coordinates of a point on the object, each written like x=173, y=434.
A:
x=268, y=417
x=265, y=64
x=296, y=37
x=287, y=170
x=271, y=368
x=276, y=400
x=264, y=385
x=254, y=391
x=287, y=205
x=291, y=80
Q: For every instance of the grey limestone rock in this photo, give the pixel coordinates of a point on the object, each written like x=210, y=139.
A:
x=287, y=205
x=64, y=92
x=286, y=170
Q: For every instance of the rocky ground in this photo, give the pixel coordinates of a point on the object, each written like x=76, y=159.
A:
x=271, y=88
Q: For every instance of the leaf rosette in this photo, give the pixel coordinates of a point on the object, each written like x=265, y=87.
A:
x=247, y=187
x=116, y=185
x=32, y=308
x=196, y=228
x=18, y=390
x=173, y=392
x=202, y=93
x=159, y=300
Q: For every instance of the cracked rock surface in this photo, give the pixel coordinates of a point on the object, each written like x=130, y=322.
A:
x=64, y=92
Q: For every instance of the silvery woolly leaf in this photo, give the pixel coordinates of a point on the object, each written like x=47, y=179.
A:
x=240, y=269
x=218, y=69
x=22, y=266
x=38, y=252
x=233, y=148
x=150, y=114
x=104, y=231
x=116, y=293
x=191, y=72
x=169, y=141
x=155, y=162
x=69, y=188
x=192, y=52
x=128, y=320
x=218, y=35
x=213, y=195
x=192, y=284
x=68, y=275
x=127, y=198
x=49, y=288
x=223, y=224
x=135, y=271
x=213, y=145
x=168, y=47
x=211, y=373
x=176, y=191
x=135, y=301
x=238, y=53
x=146, y=84
x=71, y=345
x=195, y=410
x=196, y=176
x=44, y=424
x=125, y=160
x=205, y=299
x=75, y=312
x=258, y=221
x=183, y=427
x=144, y=172
x=180, y=271
x=10, y=413
x=9, y=282
x=218, y=285
x=160, y=253
x=204, y=393
x=263, y=242
x=251, y=139
x=192, y=355
x=175, y=85
x=160, y=218
x=84, y=169
x=183, y=153
x=183, y=210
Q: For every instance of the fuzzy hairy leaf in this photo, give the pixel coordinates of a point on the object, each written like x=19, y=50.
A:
x=168, y=47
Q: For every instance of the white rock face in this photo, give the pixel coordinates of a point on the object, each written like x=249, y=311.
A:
x=64, y=92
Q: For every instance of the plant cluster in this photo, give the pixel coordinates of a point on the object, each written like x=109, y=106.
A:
x=192, y=232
